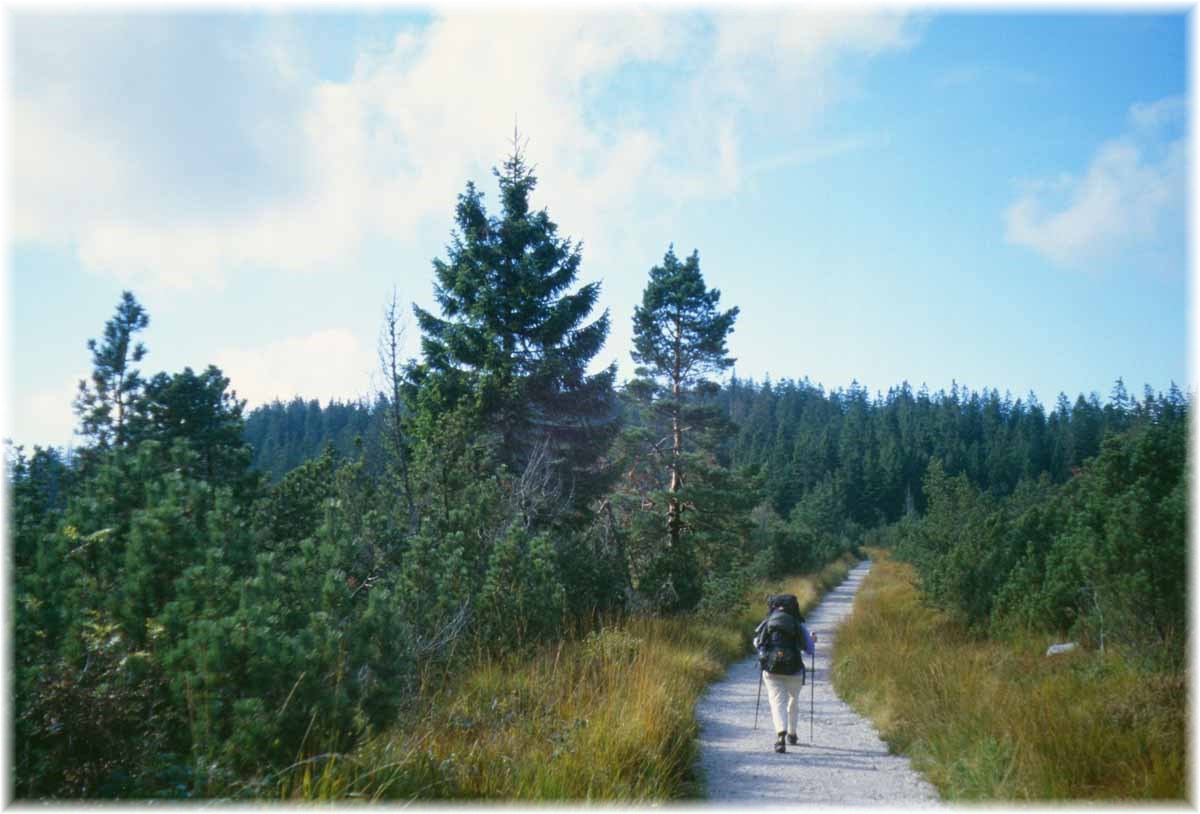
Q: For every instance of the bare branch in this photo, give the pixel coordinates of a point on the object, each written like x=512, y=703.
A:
x=451, y=630
x=390, y=339
x=539, y=492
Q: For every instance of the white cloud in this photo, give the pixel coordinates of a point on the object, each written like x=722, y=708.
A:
x=46, y=417
x=784, y=61
x=1150, y=117
x=326, y=364
x=1131, y=195
x=798, y=43
x=322, y=365
x=226, y=153
x=772, y=71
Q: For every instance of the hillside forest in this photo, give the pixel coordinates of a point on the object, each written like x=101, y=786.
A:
x=202, y=595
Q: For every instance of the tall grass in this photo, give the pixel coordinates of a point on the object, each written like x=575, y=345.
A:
x=989, y=720
x=608, y=717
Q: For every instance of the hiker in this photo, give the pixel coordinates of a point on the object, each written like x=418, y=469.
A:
x=781, y=640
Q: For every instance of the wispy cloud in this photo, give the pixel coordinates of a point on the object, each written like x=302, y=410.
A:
x=1149, y=118
x=212, y=149
x=1131, y=194
x=820, y=151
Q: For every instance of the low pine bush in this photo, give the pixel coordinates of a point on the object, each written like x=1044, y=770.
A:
x=605, y=717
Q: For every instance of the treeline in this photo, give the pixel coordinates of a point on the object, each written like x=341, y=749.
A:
x=185, y=626
x=840, y=461
x=283, y=436
x=872, y=453
x=1101, y=557
x=868, y=454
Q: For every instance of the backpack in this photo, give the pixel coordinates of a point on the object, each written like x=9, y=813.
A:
x=787, y=602
x=779, y=638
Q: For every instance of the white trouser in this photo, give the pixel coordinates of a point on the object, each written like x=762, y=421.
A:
x=784, y=694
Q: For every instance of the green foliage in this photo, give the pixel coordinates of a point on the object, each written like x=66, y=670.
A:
x=678, y=331
x=724, y=594
x=284, y=436
x=100, y=731
x=198, y=411
x=38, y=489
x=179, y=632
x=513, y=344
x=818, y=529
x=1103, y=557
x=1124, y=548
x=164, y=539
x=876, y=451
x=108, y=401
x=685, y=513
x=292, y=510
x=522, y=599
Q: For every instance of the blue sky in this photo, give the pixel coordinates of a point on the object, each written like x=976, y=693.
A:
x=993, y=199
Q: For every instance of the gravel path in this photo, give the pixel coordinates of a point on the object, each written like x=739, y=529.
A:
x=846, y=764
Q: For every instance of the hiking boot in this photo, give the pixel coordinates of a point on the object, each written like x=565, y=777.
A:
x=792, y=739
x=779, y=744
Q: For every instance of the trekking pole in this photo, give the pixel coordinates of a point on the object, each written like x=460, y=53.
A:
x=812, y=691
x=757, y=702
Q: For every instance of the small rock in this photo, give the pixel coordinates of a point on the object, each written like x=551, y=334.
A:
x=1066, y=647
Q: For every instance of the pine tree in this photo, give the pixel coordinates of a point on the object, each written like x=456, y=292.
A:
x=104, y=407
x=679, y=337
x=201, y=411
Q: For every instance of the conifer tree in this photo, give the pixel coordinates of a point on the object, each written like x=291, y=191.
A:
x=679, y=339
x=105, y=406
x=679, y=336
x=199, y=409
x=513, y=344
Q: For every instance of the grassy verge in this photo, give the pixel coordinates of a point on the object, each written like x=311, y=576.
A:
x=987, y=720
x=609, y=717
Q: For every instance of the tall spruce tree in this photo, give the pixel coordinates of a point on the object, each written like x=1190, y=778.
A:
x=513, y=344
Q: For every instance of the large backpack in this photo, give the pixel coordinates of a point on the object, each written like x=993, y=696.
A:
x=779, y=639
x=787, y=602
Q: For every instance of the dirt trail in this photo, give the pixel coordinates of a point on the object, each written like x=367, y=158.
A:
x=846, y=764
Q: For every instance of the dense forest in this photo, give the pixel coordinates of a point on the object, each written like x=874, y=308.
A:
x=203, y=596
x=1102, y=555
x=283, y=436
x=844, y=460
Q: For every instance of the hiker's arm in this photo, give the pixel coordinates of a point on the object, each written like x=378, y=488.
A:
x=808, y=640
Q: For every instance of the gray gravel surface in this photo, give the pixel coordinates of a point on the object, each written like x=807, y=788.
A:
x=846, y=763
